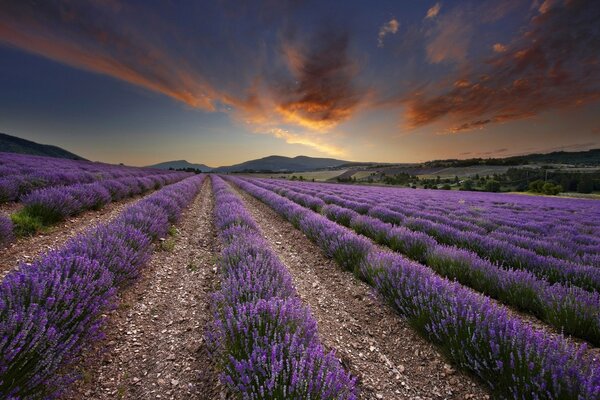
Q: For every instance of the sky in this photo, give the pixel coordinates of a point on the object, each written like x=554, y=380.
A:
x=221, y=82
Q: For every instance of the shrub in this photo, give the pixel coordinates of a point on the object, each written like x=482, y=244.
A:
x=6, y=231
x=25, y=224
x=492, y=186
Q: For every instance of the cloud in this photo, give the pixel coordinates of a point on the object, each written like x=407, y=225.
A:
x=81, y=38
x=433, y=11
x=111, y=38
x=305, y=139
x=554, y=64
x=389, y=27
x=449, y=39
x=499, y=48
x=320, y=92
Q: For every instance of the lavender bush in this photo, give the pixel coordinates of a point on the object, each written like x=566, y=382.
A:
x=6, y=231
x=50, y=205
x=53, y=309
x=570, y=309
x=48, y=311
x=20, y=174
x=514, y=359
x=264, y=340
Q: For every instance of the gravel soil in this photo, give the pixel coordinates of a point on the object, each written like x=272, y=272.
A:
x=9, y=208
x=154, y=346
x=389, y=358
x=25, y=249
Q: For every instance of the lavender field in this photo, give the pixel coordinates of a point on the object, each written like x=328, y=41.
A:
x=498, y=295
x=300, y=200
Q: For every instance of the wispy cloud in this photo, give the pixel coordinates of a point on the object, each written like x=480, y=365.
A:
x=449, y=38
x=433, y=11
x=553, y=65
x=80, y=37
x=321, y=91
x=305, y=139
x=317, y=94
x=499, y=48
x=389, y=27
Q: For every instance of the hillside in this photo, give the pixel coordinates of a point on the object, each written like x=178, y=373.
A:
x=281, y=163
x=181, y=164
x=588, y=157
x=13, y=144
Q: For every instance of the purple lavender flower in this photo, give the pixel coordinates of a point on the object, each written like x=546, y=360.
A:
x=6, y=231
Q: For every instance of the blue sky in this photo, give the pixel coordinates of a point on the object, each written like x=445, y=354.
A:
x=222, y=82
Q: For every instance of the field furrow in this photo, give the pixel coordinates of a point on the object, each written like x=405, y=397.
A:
x=154, y=346
x=390, y=359
x=27, y=248
x=512, y=357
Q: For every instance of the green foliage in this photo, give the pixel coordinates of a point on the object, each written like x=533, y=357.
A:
x=536, y=186
x=492, y=186
x=26, y=224
x=467, y=185
x=549, y=188
x=586, y=185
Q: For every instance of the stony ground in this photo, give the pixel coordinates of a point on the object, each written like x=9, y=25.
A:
x=390, y=360
x=25, y=249
x=154, y=347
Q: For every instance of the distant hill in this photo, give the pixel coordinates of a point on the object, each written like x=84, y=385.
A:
x=266, y=164
x=580, y=158
x=281, y=163
x=181, y=164
x=13, y=144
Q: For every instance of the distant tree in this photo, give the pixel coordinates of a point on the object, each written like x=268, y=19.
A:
x=456, y=180
x=492, y=186
x=536, y=186
x=467, y=185
x=551, y=188
x=585, y=185
x=446, y=187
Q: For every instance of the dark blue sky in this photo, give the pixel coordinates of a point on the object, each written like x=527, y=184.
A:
x=225, y=81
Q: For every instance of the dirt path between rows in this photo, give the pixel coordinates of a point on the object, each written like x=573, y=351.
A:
x=25, y=249
x=390, y=359
x=154, y=347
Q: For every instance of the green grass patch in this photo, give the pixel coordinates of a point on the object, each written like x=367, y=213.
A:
x=26, y=224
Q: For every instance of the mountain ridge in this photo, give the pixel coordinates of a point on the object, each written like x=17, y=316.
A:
x=14, y=144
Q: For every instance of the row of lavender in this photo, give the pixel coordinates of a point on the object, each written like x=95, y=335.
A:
x=21, y=174
x=504, y=253
x=497, y=224
x=51, y=310
x=514, y=359
x=570, y=309
x=263, y=338
x=47, y=206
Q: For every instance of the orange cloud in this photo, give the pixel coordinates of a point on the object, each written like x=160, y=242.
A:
x=316, y=143
x=499, y=48
x=105, y=52
x=450, y=39
x=553, y=65
x=318, y=96
x=433, y=11
x=390, y=27
x=320, y=93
